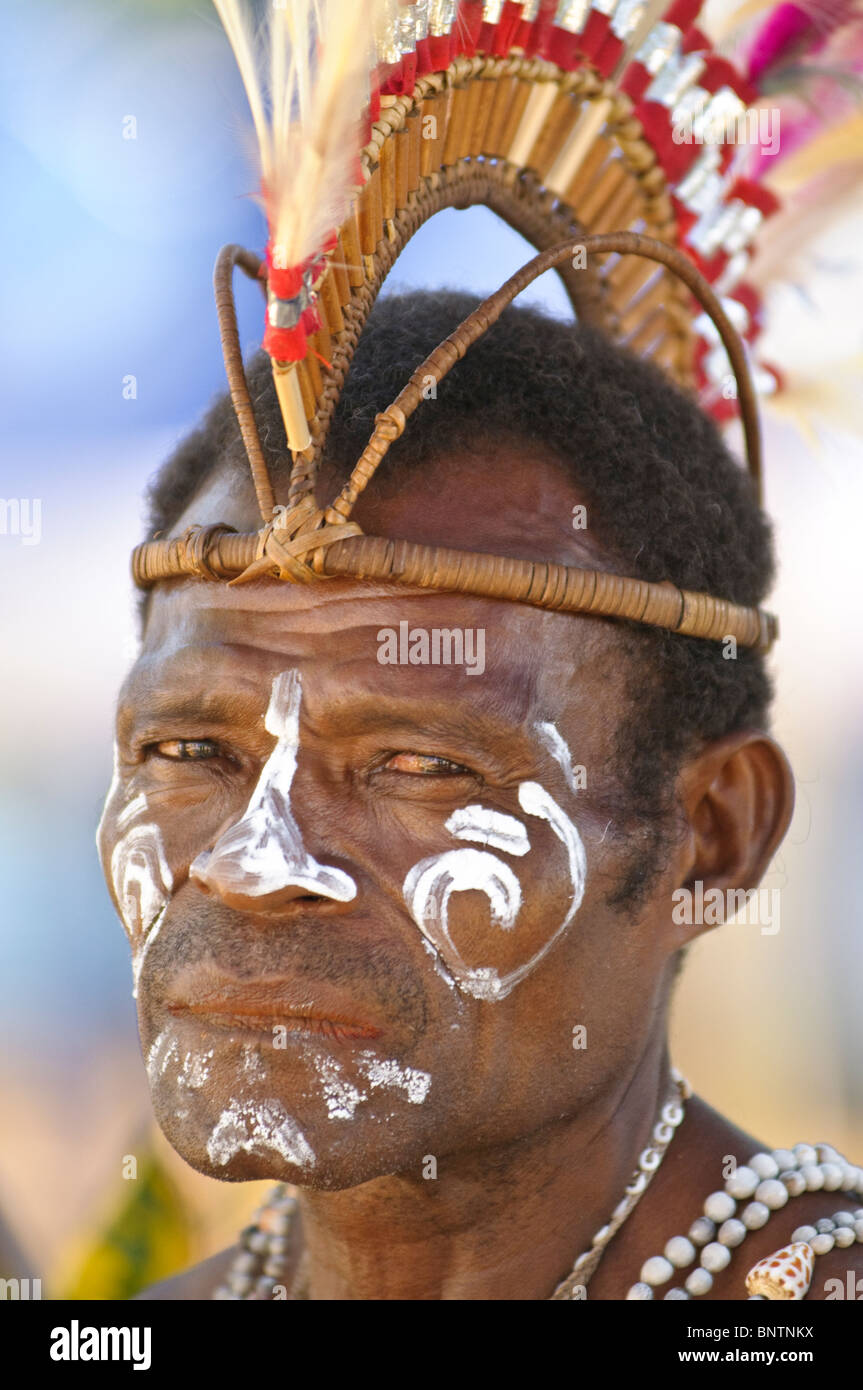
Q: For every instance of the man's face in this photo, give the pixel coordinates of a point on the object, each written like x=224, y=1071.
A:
x=366, y=890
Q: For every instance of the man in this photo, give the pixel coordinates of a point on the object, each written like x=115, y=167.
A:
x=403, y=928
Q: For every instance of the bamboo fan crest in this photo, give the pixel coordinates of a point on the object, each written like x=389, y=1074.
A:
x=558, y=118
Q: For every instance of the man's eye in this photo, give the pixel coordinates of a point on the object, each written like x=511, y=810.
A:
x=186, y=750
x=424, y=764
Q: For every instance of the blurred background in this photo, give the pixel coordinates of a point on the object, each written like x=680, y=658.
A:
x=124, y=147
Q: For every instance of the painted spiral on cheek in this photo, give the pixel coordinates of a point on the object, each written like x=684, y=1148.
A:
x=427, y=891
x=429, y=885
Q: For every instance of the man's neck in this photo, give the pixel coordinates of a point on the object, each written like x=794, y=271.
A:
x=506, y=1223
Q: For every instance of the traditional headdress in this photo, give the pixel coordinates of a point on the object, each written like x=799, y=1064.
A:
x=604, y=132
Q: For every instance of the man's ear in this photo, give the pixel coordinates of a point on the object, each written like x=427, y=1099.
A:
x=738, y=797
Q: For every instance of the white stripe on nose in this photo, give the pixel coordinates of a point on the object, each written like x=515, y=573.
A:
x=262, y=860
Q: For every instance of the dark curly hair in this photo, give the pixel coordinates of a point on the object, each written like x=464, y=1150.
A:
x=665, y=499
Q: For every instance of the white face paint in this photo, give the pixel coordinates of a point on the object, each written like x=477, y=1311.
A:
x=384, y=1072
x=429, y=885
x=253, y=1066
x=259, y=1127
x=140, y=874
x=427, y=891
x=558, y=747
x=136, y=807
x=142, y=886
x=139, y=956
x=264, y=852
x=195, y=1070
x=163, y=1052
x=489, y=828
x=191, y=1071
x=536, y=801
x=342, y=1097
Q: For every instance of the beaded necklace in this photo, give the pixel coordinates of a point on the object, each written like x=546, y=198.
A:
x=769, y=1180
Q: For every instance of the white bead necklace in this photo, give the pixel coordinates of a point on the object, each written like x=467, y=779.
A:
x=574, y=1286
x=769, y=1180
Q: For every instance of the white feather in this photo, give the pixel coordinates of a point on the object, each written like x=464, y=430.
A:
x=307, y=84
x=238, y=25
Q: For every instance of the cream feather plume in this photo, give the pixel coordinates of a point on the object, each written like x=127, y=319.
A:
x=307, y=80
x=306, y=76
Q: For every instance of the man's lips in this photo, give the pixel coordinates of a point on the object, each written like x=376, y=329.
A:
x=260, y=1004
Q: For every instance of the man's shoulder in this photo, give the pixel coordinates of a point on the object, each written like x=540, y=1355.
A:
x=193, y=1284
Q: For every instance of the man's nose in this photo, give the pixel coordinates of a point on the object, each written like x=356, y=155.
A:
x=261, y=862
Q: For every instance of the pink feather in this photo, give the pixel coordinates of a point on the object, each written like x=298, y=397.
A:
x=796, y=31
x=783, y=32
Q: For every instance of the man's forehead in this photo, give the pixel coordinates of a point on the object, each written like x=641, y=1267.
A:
x=397, y=640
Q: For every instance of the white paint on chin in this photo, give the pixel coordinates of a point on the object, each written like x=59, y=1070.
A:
x=264, y=851
x=341, y=1097
x=163, y=1052
x=253, y=1066
x=385, y=1072
x=195, y=1070
x=259, y=1127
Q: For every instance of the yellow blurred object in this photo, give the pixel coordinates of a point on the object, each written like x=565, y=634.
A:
x=829, y=398
x=148, y=1238
x=839, y=143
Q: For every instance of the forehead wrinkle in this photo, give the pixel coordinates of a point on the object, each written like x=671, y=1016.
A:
x=192, y=664
x=258, y=627
x=180, y=602
x=264, y=596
